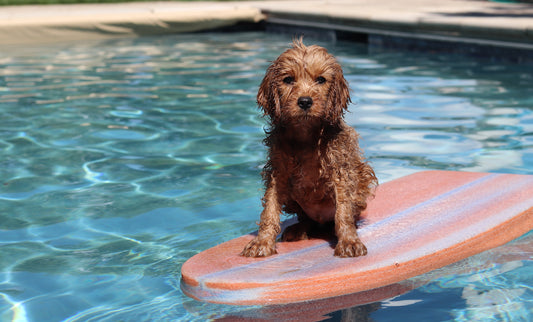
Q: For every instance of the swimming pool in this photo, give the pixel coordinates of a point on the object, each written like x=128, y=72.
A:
x=120, y=159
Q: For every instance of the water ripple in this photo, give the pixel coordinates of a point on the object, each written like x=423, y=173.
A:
x=120, y=159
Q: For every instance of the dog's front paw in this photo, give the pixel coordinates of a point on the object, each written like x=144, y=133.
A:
x=350, y=248
x=259, y=248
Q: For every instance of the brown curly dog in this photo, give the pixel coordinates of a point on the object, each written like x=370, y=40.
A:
x=315, y=168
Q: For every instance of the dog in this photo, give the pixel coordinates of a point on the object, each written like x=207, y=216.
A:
x=315, y=168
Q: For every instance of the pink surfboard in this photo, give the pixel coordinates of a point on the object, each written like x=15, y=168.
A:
x=414, y=225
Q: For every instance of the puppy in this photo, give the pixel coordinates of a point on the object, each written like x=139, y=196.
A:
x=315, y=168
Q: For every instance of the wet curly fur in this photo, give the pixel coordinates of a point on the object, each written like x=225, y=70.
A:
x=315, y=168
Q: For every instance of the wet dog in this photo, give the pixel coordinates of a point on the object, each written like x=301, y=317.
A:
x=315, y=168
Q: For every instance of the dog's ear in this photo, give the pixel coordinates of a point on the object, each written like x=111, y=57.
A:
x=268, y=96
x=338, y=97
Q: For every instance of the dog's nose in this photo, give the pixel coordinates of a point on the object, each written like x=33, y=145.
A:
x=305, y=102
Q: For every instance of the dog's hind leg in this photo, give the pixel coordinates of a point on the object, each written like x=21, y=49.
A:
x=299, y=230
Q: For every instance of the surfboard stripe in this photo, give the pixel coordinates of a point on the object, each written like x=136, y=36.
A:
x=263, y=264
x=417, y=186
x=414, y=224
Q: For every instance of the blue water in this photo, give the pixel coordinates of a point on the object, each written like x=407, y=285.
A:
x=120, y=159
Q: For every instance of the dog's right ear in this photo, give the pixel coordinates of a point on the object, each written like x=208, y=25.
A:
x=268, y=97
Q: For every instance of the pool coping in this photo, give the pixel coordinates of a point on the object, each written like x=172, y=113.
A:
x=484, y=23
x=480, y=22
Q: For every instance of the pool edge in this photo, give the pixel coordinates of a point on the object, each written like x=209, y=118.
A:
x=480, y=28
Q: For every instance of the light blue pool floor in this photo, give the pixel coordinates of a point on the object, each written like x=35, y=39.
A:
x=120, y=159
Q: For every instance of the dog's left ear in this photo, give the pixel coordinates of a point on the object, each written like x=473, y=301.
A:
x=268, y=96
x=338, y=97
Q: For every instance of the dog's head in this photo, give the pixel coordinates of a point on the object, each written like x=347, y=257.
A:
x=304, y=83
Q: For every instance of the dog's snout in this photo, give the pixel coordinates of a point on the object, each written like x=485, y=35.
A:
x=305, y=102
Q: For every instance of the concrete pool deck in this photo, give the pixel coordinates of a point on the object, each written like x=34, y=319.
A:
x=469, y=21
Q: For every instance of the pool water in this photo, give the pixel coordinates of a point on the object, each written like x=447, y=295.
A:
x=120, y=159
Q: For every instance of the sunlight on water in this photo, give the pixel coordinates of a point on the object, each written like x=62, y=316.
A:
x=120, y=159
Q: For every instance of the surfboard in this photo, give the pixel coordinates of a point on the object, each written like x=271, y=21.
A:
x=499, y=259
x=413, y=225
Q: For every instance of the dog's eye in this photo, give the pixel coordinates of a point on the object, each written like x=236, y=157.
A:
x=320, y=80
x=288, y=80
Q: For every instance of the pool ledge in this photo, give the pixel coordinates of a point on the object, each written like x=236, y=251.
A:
x=483, y=22
x=50, y=23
